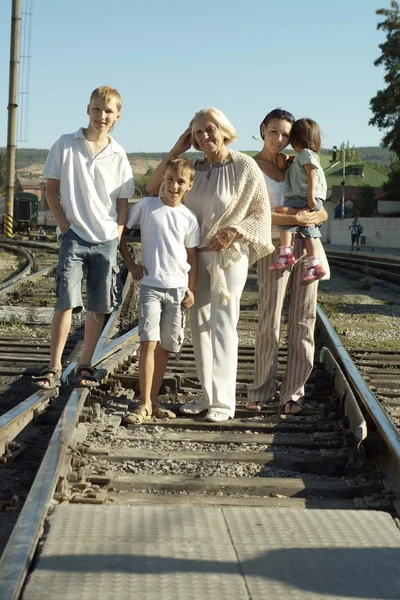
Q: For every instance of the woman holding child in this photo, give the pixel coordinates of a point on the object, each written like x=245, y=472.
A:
x=275, y=131
x=230, y=201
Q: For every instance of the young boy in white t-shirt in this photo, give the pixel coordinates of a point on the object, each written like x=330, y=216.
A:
x=168, y=276
x=89, y=182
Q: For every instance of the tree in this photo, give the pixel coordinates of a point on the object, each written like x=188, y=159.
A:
x=366, y=201
x=351, y=154
x=385, y=105
x=392, y=185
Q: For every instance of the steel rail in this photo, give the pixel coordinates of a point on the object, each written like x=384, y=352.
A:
x=13, y=284
x=24, y=271
x=16, y=419
x=30, y=244
x=385, y=426
x=17, y=556
x=373, y=256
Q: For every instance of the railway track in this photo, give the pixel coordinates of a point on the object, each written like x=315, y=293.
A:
x=380, y=266
x=321, y=460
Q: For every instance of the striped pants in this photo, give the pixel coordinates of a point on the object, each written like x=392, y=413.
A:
x=273, y=286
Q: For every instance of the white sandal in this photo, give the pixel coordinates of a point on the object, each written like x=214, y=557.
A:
x=215, y=416
x=191, y=408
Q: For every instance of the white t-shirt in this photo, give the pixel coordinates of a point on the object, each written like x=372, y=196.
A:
x=90, y=186
x=166, y=232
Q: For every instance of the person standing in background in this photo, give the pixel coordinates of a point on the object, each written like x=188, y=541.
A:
x=356, y=230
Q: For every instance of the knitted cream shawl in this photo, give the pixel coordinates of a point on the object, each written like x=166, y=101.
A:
x=250, y=214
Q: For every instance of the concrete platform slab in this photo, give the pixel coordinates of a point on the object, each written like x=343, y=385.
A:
x=316, y=554
x=233, y=553
x=136, y=553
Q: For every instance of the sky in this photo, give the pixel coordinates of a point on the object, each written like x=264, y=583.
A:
x=169, y=59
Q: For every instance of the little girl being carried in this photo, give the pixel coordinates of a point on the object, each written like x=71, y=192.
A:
x=305, y=187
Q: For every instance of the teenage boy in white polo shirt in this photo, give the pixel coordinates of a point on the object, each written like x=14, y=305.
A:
x=89, y=181
x=168, y=277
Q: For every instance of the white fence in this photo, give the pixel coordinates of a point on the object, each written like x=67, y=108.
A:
x=379, y=232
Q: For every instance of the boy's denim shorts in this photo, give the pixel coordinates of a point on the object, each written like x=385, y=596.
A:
x=313, y=231
x=162, y=316
x=99, y=262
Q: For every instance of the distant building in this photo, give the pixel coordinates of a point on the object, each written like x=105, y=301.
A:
x=33, y=185
x=356, y=175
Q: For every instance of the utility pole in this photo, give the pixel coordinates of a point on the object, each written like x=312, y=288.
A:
x=343, y=181
x=12, y=117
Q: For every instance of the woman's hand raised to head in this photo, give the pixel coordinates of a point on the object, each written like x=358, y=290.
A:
x=182, y=145
x=184, y=142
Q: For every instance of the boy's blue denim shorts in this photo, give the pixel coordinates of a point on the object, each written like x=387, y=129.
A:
x=313, y=231
x=162, y=316
x=99, y=262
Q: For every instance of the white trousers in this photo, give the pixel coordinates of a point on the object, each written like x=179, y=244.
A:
x=302, y=314
x=214, y=335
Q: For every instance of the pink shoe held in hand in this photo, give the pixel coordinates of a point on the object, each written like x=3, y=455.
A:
x=313, y=273
x=284, y=260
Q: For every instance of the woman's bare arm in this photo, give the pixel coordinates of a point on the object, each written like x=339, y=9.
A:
x=182, y=145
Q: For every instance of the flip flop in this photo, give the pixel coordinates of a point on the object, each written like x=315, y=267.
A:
x=54, y=379
x=255, y=406
x=290, y=404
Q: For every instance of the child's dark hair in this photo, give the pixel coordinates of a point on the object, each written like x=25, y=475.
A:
x=277, y=113
x=306, y=134
x=181, y=165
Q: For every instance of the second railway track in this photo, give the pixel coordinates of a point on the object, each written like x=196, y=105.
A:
x=310, y=461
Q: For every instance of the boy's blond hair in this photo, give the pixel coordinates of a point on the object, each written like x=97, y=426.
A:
x=180, y=165
x=107, y=93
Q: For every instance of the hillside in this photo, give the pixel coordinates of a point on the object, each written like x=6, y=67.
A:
x=31, y=160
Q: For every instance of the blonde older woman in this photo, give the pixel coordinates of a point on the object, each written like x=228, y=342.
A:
x=230, y=200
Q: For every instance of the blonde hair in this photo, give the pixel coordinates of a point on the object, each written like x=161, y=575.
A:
x=107, y=93
x=223, y=124
x=181, y=166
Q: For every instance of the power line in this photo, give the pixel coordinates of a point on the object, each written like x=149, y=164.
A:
x=25, y=72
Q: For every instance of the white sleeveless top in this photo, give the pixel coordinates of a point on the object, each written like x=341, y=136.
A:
x=276, y=196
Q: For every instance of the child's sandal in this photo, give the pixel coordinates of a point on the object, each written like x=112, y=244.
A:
x=141, y=414
x=312, y=274
x=280, y=264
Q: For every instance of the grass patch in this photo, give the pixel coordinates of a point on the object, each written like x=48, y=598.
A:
x=366, y=283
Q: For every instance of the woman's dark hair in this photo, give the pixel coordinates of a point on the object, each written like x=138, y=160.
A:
x=306, y=134
x=277, y=113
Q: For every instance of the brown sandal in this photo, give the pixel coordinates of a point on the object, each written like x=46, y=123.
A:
x=141, y=414
x=90, y=377
x=49, y=374
x=162, y=413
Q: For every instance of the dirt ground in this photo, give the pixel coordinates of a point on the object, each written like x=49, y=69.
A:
x=8, y=265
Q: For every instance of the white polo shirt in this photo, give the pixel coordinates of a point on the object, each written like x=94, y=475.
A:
x=90, y=186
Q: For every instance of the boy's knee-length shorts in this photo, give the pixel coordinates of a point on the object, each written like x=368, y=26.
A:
x=99, y=261
x=162, y=316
